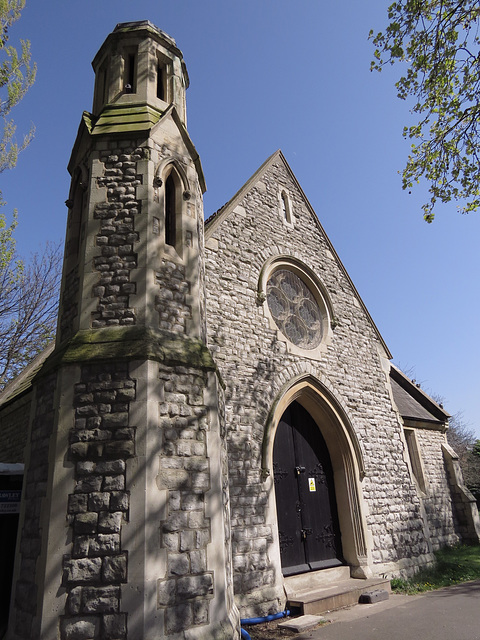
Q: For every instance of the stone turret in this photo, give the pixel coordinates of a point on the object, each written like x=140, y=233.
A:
x=139, y=64
x=125, y=519
x=134, y=250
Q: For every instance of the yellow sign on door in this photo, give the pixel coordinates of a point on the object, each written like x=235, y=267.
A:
x=311, y=484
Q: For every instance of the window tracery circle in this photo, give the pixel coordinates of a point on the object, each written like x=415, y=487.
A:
x=294, y=309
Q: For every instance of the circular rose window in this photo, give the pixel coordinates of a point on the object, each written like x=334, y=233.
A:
x=294, y=309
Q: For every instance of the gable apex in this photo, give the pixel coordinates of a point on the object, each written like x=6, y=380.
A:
x=216, y=219
x=213, y=221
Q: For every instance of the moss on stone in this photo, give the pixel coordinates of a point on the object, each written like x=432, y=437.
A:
x=131, y=343
x=120, y=118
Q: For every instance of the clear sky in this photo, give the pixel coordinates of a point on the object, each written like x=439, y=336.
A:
x=269, y=74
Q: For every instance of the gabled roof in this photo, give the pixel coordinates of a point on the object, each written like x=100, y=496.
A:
x=216, y=219
x=413, y=403
x=213, y=221
x=23, y=382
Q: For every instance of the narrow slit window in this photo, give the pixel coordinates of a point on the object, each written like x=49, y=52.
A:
x=130, y=72
x=415, y=458
x=286, y=207
x=160, y=81
x=103, y=85
x=75, y=221
x=170, y=212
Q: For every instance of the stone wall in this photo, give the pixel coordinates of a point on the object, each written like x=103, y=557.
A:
x=255, y=363
x=186, y=592
x=201, y=265
x=69, y=304
x=439, y=506
x=35, y=491
x=14, y=429
x=101, y=442
x=117, y=235
x=171, y=299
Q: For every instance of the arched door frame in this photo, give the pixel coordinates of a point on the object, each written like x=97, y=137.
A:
x=346, y=457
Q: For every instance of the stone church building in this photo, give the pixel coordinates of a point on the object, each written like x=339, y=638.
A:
x=219, y=412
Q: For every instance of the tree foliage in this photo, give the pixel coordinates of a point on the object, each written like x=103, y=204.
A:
x=438, y=44
x=28, y=292
x=28, y=304
x=462, y=439
x=17, y=75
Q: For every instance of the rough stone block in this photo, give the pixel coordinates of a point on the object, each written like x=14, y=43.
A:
x=114, y=626
x=98, y=501
x=81, y=546
x=105, y=544
x=120, y=449
x=166, y=592
x=114, y=483
x=101, y=600
x=177, y=522
x=198, y=561
x=81, y=628
x=111, y=467
x=377, y=595
x=110, y=522
x=119, y=501
x=194, y=586
x=171, y=541
x=178, y=564
x=114, y=569
x=86, y=522
x=74, y=601
x=201, y=612
x=82, y=570
x=178, y=618
x=77, y=503
x=114, y=420
x=88, y=484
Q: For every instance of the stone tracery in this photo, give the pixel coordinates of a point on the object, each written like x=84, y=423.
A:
x=294, y=309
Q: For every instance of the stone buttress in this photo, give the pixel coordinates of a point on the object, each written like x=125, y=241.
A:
x=125, y=529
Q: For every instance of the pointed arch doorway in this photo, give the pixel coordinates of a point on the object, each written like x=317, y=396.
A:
x=308, y=525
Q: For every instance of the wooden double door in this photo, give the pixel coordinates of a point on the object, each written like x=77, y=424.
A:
x=305, y=495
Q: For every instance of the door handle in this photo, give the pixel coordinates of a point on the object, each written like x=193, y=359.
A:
x=305, y=533
x=299, y=470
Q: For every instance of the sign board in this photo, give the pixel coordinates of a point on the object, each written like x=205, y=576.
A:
x=10, y=501
x=311, y=484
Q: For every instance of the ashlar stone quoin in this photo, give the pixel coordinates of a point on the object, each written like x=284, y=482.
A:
x=218, y=411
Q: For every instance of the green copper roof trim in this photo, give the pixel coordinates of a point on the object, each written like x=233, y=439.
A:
x=131, y=343
x=122, y=118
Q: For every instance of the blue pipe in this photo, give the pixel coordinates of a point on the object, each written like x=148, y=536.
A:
x=273, y=616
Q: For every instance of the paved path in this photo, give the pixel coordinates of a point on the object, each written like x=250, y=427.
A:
x=447, y=614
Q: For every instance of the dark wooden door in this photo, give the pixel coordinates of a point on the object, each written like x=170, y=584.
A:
x=306, y=507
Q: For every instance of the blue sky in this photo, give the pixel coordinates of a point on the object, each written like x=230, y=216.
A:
x=269, y=74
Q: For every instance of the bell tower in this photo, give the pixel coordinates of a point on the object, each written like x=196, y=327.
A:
x=135, y=227
x=125, y=518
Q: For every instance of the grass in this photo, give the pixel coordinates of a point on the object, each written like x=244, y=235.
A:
x=454, y=565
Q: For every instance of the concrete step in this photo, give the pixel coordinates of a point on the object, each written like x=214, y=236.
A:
x=312, y=595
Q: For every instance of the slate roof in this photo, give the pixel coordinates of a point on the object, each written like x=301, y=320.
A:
x=23, y=381
x=413, y=403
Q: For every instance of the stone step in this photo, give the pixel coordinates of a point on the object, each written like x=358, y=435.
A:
x=316, y=579
x=330, y=597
